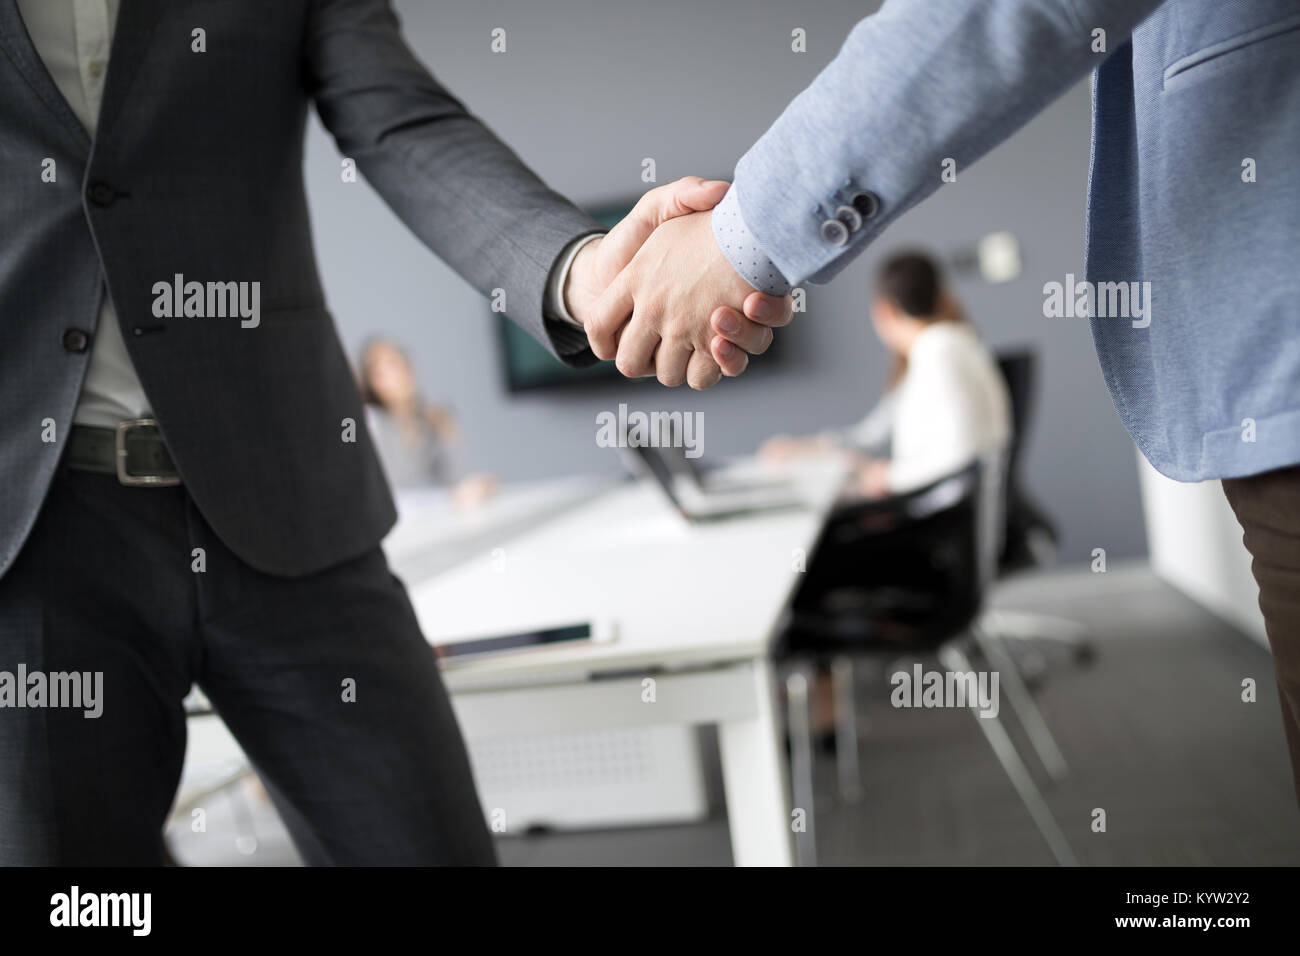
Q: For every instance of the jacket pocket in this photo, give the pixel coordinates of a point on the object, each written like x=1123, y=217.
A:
x=1187, y=68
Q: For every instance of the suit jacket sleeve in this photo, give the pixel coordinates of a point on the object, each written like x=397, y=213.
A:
x=466, y=195
x=919, y=82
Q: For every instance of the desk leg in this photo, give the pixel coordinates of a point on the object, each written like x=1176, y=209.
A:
x=754, y=779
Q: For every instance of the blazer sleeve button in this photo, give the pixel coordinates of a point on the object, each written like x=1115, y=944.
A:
x=835, y=232
x=866, y=203
x=849, y=216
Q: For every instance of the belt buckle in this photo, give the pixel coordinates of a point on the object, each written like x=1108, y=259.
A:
x=125, y=477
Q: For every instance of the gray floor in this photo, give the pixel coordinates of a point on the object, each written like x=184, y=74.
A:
x=1155, y=732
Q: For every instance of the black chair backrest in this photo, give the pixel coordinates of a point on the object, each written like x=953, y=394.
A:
x=868, y=519
x=1029, y=531
x=1020, y=371
x=910, y=570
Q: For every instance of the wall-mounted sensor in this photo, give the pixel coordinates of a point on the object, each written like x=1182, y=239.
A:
x=999, y=257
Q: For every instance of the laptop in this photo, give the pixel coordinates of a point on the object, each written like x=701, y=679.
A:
x=708, y=481
x=696, y=505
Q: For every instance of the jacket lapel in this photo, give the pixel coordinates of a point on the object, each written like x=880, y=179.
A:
x=135, y=24
x=17, y=45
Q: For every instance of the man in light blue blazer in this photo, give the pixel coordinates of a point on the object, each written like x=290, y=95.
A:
x=1192, y=281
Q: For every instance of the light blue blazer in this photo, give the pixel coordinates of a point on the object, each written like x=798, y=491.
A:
x=1194, y=190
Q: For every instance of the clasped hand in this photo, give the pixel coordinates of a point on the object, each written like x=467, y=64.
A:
x=658, y=297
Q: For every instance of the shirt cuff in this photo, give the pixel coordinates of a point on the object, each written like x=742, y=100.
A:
x=742, y=249
x=554, y=305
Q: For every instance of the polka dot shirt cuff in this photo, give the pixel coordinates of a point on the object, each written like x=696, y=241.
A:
x=742, y=250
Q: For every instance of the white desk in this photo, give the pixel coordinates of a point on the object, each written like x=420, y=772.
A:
x=432, y=534
x=695, y=610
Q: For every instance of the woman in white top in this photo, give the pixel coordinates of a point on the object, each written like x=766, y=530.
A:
x=945, y=403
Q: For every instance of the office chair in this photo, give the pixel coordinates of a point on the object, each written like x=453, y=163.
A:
x=953, y=531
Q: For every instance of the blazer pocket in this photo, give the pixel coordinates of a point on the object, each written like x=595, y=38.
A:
x=1185, y=69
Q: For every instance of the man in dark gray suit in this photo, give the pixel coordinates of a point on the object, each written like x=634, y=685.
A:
x=191, y=494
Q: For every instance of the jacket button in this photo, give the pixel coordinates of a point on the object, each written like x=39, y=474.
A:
x=867, y=203
x=75, y=340
x=849, y=216
x=101, y=194
x=835, y=232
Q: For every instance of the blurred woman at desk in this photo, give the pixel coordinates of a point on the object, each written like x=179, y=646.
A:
x=945, y=402
x=416, y=440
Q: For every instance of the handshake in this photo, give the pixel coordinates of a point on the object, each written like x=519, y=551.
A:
x=657, y=295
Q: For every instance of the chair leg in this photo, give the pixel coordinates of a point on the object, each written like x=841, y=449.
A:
x=1028, y=626
x=245, y=833
x=1022, y=702
x=954, y=658
x=1030, y=661
x=846, y=729
x=799, y=726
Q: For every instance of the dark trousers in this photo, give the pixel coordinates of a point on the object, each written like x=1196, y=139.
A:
x=1268, y=508
x=106, y=583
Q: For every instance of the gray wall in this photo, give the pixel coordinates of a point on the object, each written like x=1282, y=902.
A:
x=584, y=93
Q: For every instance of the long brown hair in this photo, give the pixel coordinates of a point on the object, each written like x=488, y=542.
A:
x=913, y=283
x=439, y=419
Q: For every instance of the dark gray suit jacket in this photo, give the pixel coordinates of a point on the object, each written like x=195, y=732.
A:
x=196, y=169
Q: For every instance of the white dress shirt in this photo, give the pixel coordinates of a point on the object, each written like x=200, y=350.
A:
x=73, y=38
x=950, y=407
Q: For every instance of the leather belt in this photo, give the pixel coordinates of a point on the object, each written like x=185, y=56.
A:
x=133, y=451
